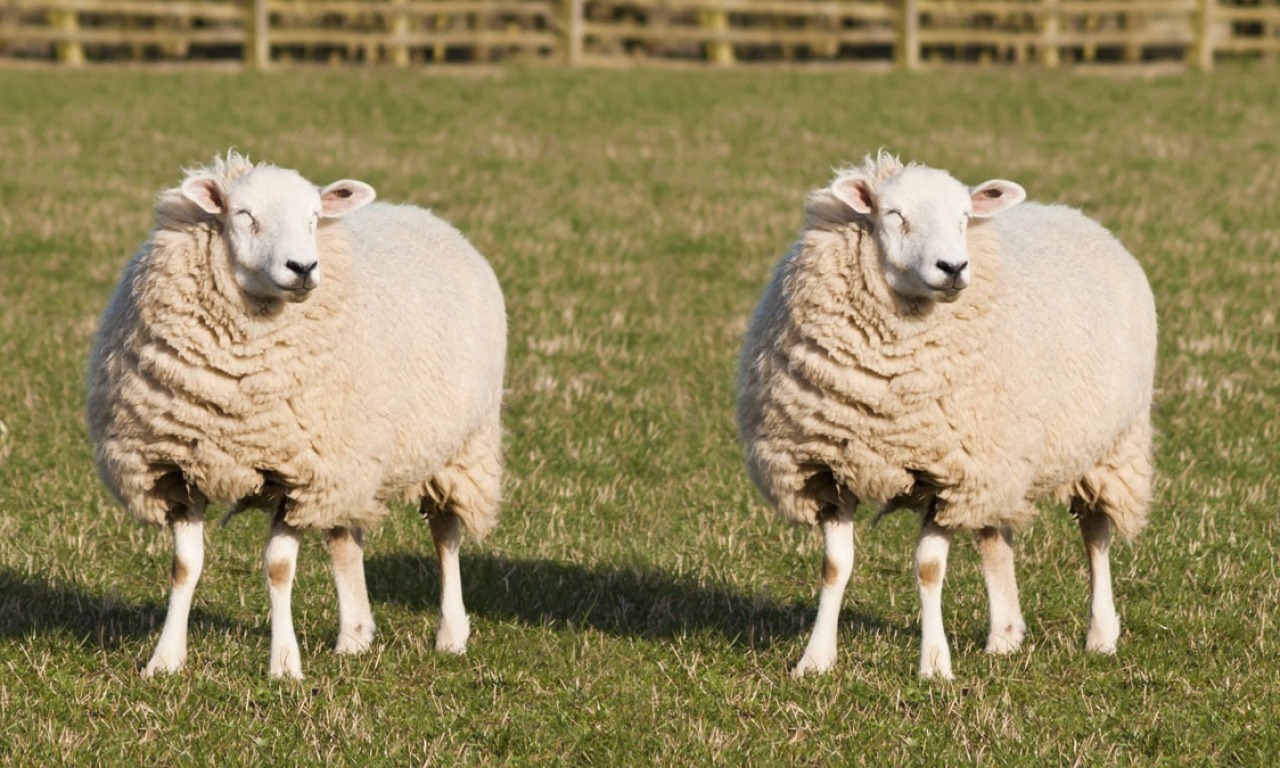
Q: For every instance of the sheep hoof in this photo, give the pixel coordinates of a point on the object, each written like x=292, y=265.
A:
x=164, y=663
x=1006, y=640
x=452, y=637
x=1103, y=633
x=1100, y=645
x=292, y=671
x=935, y=664
x=285, y=664
x=813, y=663
x=939, y=674
x=356, y=641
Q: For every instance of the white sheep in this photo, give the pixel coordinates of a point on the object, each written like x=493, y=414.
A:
x=928, y=346
x=307, y=352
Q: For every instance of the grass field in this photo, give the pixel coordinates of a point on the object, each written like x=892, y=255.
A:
x=638, y=603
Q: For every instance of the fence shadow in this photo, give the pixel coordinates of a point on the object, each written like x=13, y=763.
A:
x=32, y=606
x=615, y=600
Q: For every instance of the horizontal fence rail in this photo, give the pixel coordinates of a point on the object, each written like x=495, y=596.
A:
x=909, y=34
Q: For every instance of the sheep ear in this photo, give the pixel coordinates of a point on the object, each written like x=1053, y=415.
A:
x=992, y=197
x=855, y=192
x=342, y=197
x=206, y=192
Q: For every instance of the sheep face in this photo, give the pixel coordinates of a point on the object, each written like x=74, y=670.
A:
x=269, y=218
x=919, y=218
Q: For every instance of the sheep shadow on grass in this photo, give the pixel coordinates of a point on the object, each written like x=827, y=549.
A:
x=33, y=605
x=615, y=600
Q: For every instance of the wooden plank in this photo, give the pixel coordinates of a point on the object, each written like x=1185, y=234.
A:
x=970, y=8
x=808, y=8
x=100, y=36
x=620, y=32
x=1056, y=40
x=1249, y=45
x=417, y=9
x=224, y=11
x=339, y=37
x=1247, y=14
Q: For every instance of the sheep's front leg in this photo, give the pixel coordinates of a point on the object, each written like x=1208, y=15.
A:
x=1007, y=627
x=188, y=561
x=837, y=565
x=455, y=627
x=931, y=569
x=280, y=562
x=355, y=619
x=1104, y=624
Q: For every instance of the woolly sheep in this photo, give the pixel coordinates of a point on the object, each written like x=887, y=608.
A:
x=311, y=353
x=927, y=346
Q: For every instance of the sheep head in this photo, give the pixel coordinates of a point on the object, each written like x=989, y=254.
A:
x=919, y=217
x=269, y=218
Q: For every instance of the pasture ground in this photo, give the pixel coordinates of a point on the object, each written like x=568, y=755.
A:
x=638, y=603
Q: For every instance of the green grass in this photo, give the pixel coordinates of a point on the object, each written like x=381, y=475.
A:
x=638, y=603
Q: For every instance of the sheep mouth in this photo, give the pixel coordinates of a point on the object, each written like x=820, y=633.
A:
x=296, y=293
x=947, y=293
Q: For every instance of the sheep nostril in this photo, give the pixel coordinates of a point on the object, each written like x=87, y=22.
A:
x=952, y=269
x=302, y=270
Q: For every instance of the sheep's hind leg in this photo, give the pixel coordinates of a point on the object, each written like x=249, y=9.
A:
x=280, y=562
x=188, y=561
x=837, y=565
x=1007, y=626
x=1104, y=624
x=931, y=569
x=355, y=619
x=455, y=627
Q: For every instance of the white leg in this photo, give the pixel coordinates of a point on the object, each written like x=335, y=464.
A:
x=1104, y=624
x=455, y=627
x=837, y=565
x=188, y=562
x=355, y=619
x=1007, y=627
x=280, y=562
x=931, y=569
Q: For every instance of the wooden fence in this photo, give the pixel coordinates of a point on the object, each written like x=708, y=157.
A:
x=908, y=34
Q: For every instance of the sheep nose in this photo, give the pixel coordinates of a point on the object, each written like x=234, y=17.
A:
x=304, y=270
x=952, y=269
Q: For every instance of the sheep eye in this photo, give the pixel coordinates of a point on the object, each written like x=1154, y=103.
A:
x=253, y=223
x=897, y=218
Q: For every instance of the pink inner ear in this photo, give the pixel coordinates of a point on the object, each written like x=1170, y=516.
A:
x=995, y=196
x=343, y=197
x=855, y=193
x=204, y=193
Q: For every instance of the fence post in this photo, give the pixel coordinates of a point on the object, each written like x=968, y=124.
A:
x=399, y=29
x=1049, y=54
x=1203, y=49
x=573, y=32
x=257, y=51
x=719, y=52
x=909, y=36
x=69, y=52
